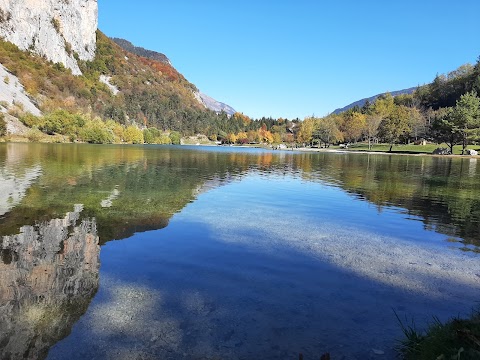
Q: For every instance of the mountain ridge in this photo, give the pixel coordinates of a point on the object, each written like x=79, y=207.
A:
x=207, y=101
x=371, y=99
x=140, y=51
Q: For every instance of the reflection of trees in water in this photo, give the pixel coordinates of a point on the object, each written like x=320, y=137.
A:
x=443, y=192
x=153, y=183
x=48, y=276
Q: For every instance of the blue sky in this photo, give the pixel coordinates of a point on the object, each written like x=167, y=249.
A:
x=297, y=58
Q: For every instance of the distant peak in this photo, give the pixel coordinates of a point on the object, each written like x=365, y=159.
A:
x=214, y=105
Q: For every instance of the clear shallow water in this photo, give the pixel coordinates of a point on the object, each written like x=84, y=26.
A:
x=229, y=253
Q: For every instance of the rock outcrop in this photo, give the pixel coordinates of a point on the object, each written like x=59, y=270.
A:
x=59, y=30
x=214, y=105
x=12, y=93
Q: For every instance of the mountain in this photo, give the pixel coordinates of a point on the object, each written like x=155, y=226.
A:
x=362, y=102
x=207, y=101
x=214, y=105
x=140, y=51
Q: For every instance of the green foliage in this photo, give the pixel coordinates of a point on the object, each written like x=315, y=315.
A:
x=3, y=125
x=96, y=132
x=150, y=135
x=395, y=125
x=326, y=131
x=133, y=134
x=62, y=122
x=34, y=135
x=459, y=124
x=155, y=136
x=31, y=120
x=456, y=339
x=175, y=137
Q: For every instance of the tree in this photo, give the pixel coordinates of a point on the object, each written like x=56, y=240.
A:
x=384, y=105
x=353, y=125
x=444, y=129
x=418, y=124
x=134, y=135
x=395, y=126
x=231, y=138
x=175, y=137
x=305, y=134
x=467, y=117
x=371, y=128
x=96, y=132
x=326, y=131
x=265, y=135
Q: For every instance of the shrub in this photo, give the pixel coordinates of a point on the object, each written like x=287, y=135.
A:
x=96, y=132
x=175, y=137
x=133, y=134
x=456, y=339
x=3, y=125
x=151, y=135
x=62, y=122
x=31, y=120
x=34, y=134
x=163, y=139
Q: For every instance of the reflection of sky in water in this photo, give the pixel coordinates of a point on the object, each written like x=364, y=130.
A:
x=275, y=266
x=324, y=221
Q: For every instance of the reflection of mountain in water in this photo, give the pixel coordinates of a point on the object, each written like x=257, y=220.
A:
x=13, y=187
x=48, y=276
x=15, y=180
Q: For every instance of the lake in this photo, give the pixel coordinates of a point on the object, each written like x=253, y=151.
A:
x=164, y=252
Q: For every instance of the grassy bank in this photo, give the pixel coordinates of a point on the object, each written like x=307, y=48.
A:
x=409, y=148
x=456, y=339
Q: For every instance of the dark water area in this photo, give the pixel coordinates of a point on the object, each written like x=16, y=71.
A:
x=163, y=252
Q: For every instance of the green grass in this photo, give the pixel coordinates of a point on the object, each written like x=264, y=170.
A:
x=456, y=339
x=420, y=149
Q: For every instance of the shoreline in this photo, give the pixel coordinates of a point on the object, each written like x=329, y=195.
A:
x=369, y=152
x=22, y=140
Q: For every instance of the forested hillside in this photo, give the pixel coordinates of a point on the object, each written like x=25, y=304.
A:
x=120, y=97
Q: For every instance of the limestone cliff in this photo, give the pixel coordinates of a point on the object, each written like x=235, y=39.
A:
x=59, y=30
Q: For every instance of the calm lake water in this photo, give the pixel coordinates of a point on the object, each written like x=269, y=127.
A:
x=151, y=252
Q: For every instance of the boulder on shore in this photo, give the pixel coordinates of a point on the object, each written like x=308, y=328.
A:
x=441, y=151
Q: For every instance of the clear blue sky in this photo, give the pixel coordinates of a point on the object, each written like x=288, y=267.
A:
x=288, y=58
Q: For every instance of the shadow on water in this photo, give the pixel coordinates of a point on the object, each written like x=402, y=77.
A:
x=231, y=301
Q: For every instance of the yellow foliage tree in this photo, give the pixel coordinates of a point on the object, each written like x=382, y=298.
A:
x=265, y=135
x=305, y=134
x=133, y=135
x=231, y=138
x=353, y=125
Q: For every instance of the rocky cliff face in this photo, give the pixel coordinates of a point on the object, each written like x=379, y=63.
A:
x=55, y=29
